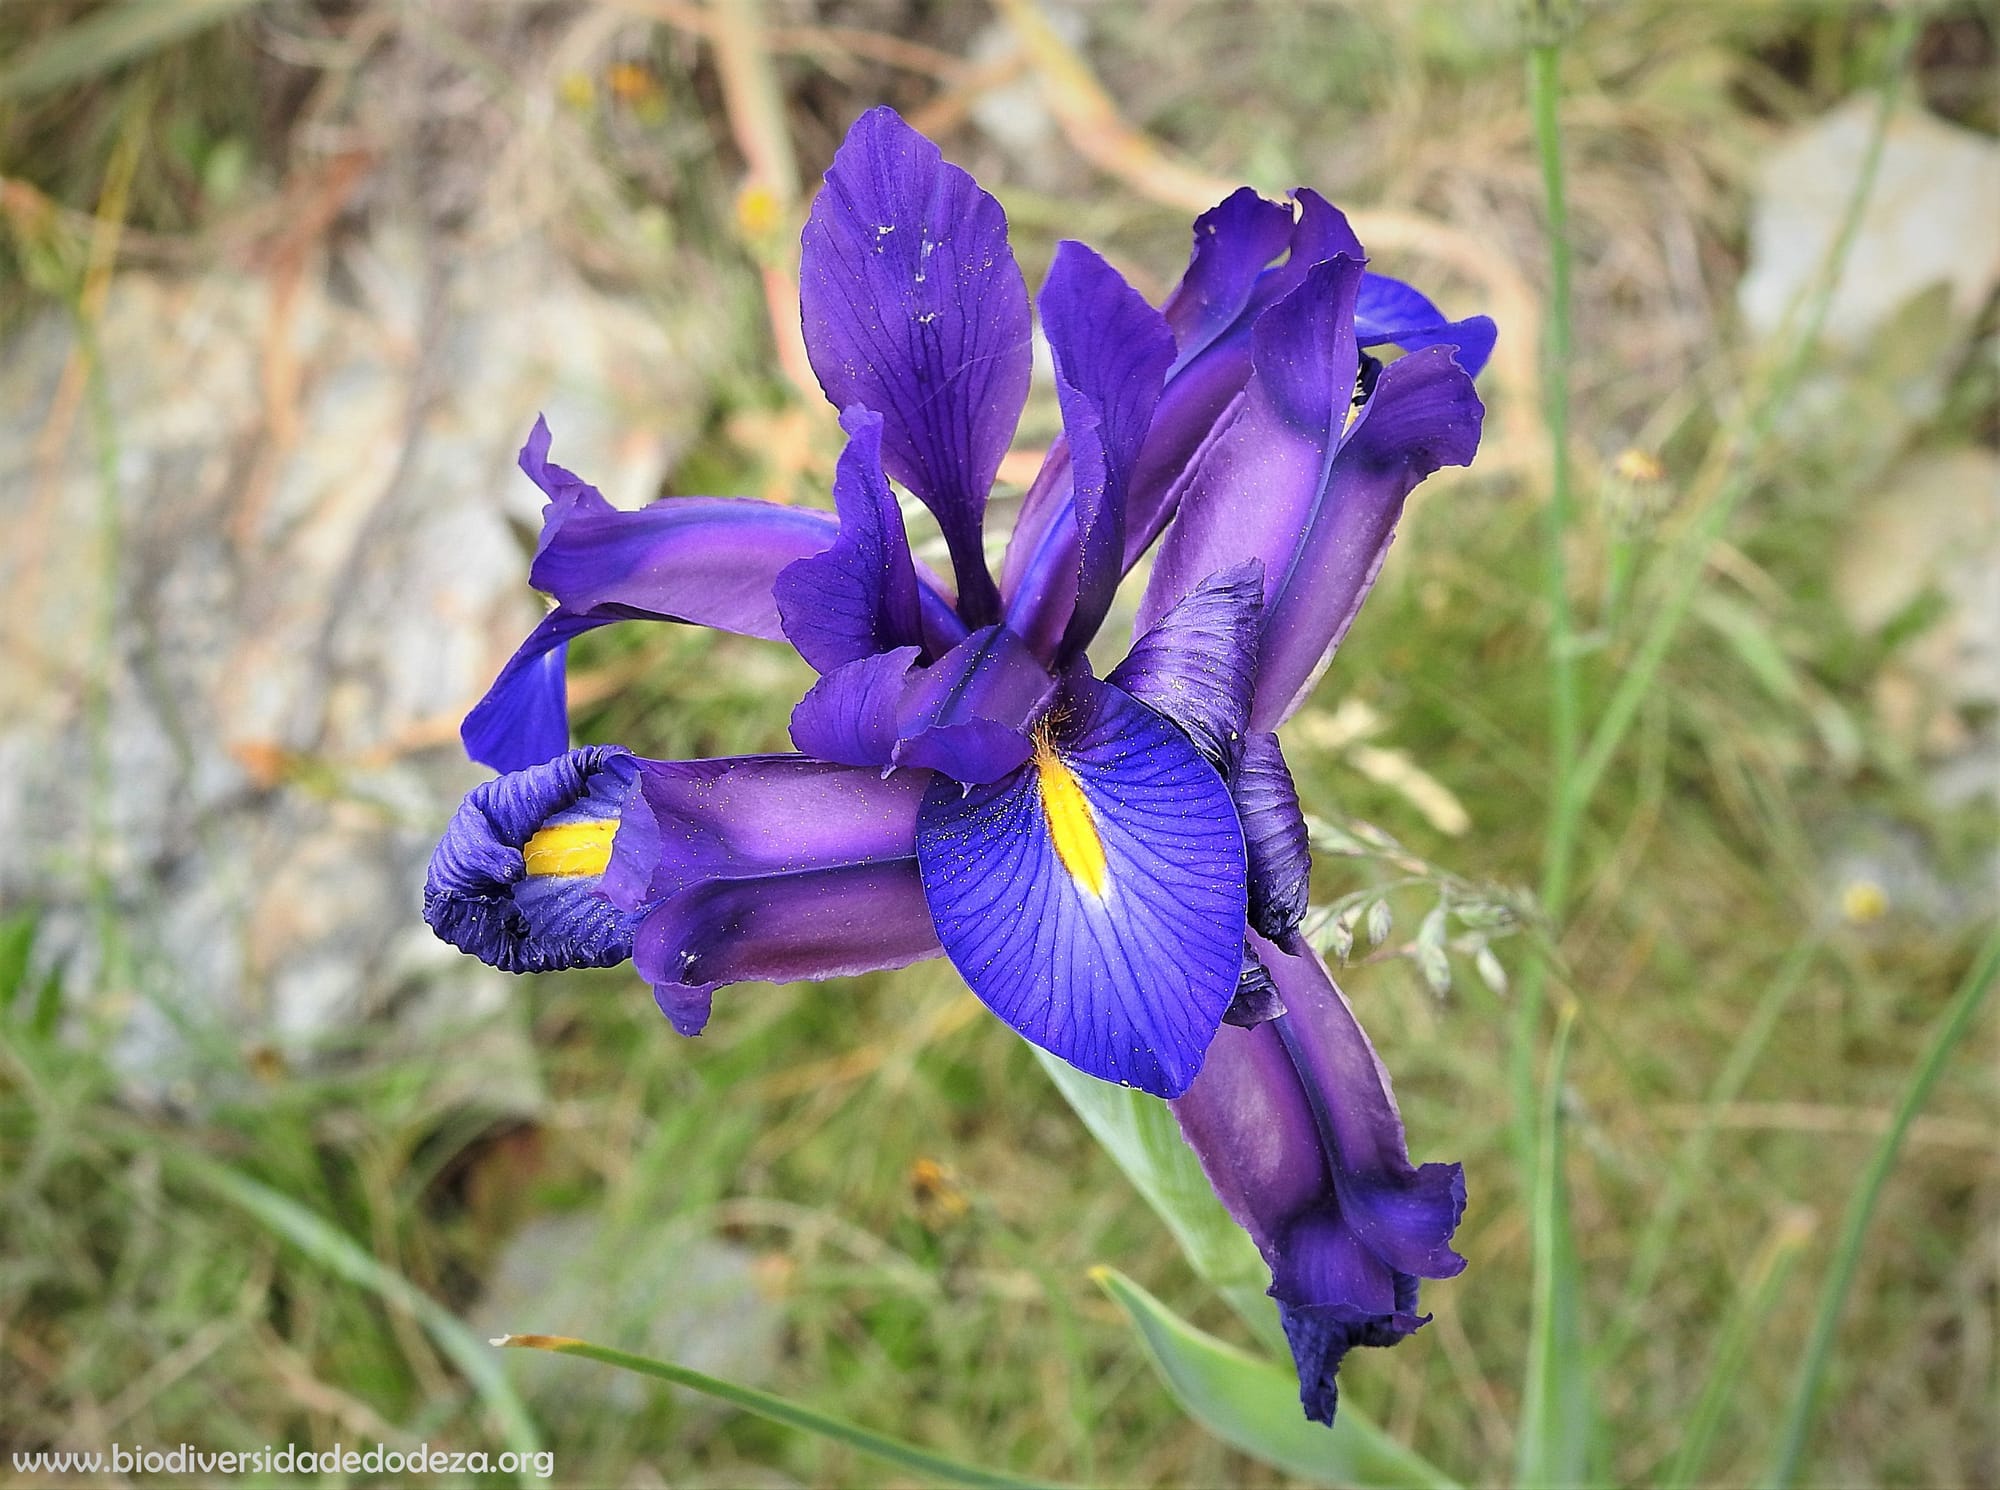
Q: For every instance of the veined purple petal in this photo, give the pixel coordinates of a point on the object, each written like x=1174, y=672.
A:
x=767, y=867
x=1257, y=491
x=1094, y=900
x=850, y=715
x=1293, y=483
x=1388, y=312
x=914, y=307
x=834, y=922
x=967, y=714
x=1423, y=414
x=524, y=718
x=859, y=597
x=516, y=879
x=1298, y=1131
x=1111, y=350
x=752, y=816
x=1274, y=838
x=705, y=560
x=1197, y=665
x=1212, y=313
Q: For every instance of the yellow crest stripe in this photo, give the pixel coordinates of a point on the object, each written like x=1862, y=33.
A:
x=570, y=848
x=1072, y=823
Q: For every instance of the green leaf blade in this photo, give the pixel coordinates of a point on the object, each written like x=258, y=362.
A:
x=1253, y=1404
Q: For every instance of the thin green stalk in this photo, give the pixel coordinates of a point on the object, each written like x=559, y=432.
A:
x=1691, y=1163
x=1565, y=707
x=1551, y=1440
x=1738, y=461
x=1951, y=1031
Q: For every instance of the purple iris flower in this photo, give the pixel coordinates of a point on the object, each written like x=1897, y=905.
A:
x=1117, y=866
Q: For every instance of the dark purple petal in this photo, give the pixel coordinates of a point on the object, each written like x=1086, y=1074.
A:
x=1256, y=998
x=1094, y=900
x=744, y=817
x=1258, y=488
x=1424, y=414
x=1197, y=665
x=1111, y=350
x=1211, y=312
x=860, y=596
x=1388, y=312
x=834, y=922
x=686, y=1005
x=1274, y=838
x=527, y=903
x=967, y=714
x=1298, y=1131
x=524, y=718
x=914, y=307
x=850, y=715
x=1293, y=483
x=1234, y=241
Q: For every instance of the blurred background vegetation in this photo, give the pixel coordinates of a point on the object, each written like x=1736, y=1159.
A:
x=220, y=1180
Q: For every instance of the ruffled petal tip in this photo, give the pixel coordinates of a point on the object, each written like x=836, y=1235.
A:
x=516, y=879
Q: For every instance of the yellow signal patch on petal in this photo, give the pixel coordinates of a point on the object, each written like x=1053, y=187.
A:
x=1072, y=824
x=570, y=848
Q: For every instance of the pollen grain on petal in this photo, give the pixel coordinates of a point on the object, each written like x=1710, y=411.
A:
x=1072, y=823
x=570, y=848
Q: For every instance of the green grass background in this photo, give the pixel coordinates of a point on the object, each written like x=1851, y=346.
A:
x=138, y=1303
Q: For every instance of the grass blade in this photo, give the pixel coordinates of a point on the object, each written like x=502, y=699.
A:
x=782, y=1410
x=1957, y=1021
x=1732, y=1348
x=1254, y=1404
x=341, y=1255
x=1656, y=1241
x=1554, y=1436
x=104, y=39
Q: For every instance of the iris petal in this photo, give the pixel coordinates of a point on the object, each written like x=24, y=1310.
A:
x=767, y=867
x=1298, y=1131
x=1388, y=312
x=516, y=879
x=850, y=715
x=1094, y=900
x=1111, y=350
x=1274, y=837
x=967, y=715
x=860, y=596
x=914, y=307
x=1291, y=481
x=1197, y=663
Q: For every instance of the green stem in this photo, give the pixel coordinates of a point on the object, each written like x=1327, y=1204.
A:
x=1958, y=1019
x=1565, y=708
x=1576, y=788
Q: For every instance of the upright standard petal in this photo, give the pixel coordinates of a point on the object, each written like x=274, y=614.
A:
x=1094, y=900
x=860, y=596
x=914, y=307
x=1230, y=282
x=1296, y=1126
x=1388, y=312
x=517, y=878
x=1292, y=482
x=1111, y=351
x=768, y=867
x=1422, y=415
x=1197, y=664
